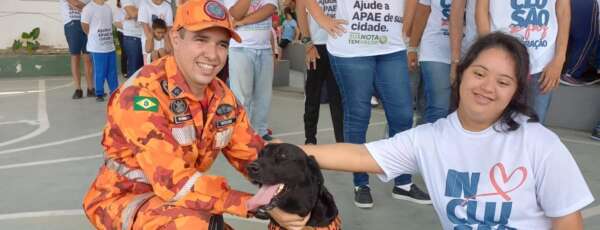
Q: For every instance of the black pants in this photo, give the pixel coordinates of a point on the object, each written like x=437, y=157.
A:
x=312, y=103
x=123, y=56
x=284, y=43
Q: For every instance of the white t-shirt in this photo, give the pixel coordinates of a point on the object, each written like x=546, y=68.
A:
x=132, y=28
x=435, y=42
x=119, y=17
x=470, y=29
x=148, y=10
x=99, y=18
x=535, y=25
x=158, y=44
x=374, y=28
x=257, y=35
x=318, y=34
x=68, y=13
x=517, y=179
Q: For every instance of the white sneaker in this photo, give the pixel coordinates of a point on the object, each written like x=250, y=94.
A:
x=374, y=101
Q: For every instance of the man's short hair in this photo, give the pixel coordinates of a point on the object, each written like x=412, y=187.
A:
x=158, y=23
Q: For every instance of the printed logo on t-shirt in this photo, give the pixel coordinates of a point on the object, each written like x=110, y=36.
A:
x=463, y=188
x=329, y=7
x=74, y=14
x=445, y=4
x=105, y=36
x=370, y=16
x=530, y=20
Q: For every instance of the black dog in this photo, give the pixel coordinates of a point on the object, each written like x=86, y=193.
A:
x=300, y=183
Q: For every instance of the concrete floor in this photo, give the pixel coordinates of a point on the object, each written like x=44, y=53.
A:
x=50, y=152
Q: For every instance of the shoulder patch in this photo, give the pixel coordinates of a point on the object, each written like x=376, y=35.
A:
x=145, y=104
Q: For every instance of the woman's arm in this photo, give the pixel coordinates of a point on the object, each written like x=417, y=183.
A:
x=457, y=20
x=482, y=17
x=551, y=74
x=333, y=26
x=573, y=221
x=343, y=157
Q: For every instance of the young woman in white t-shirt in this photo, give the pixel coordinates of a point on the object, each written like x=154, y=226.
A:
x=489, y=164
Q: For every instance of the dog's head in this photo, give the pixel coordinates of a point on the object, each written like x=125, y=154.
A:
x=296, y=179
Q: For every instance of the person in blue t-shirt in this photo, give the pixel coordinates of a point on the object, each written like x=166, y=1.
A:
x=289, y=28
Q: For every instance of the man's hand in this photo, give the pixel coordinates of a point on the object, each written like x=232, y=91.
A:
x=311, y=57
x=287, y=220
x=412, y=61
x=551, y=76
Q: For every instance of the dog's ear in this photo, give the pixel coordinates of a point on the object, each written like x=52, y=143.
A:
x=315, y=170
x=325, y=211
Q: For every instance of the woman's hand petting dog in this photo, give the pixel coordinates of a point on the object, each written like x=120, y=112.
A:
x=287, y=220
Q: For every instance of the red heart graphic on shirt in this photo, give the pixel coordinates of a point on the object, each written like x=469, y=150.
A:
x=506, y=179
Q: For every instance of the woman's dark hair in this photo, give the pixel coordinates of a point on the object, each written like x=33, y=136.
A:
x=520, y=57
x=287, y=11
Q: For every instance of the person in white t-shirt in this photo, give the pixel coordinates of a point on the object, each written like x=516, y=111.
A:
x=76, y=40
x=148, y=11
x=96, y=21
x=430, y=45
x=132, y=36
x=489, y=164
x=119, y=17
x=368, y=56
x=318, y=72
x=463, y=30
x=251, y=61
x=544, y=28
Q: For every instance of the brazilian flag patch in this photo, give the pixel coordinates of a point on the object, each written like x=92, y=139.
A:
x=145, y=104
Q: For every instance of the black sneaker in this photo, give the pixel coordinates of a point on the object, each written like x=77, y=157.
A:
x=596, y=133
x=414, y=195
x=78, y=94
x=99, y=98
x=267, y=137
x=91, y=92
x=362, y=197
x=310, y=141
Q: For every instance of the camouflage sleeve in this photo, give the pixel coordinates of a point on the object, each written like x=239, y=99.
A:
x=245, y=144
x=161, y=157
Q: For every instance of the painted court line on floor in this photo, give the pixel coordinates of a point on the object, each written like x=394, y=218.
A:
x=46, y=162
x=18, y=93
x=9, y=151
x=44, y=123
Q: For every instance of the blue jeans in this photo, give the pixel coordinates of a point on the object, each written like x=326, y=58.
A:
x=539, y=102
x=105, y=68
x=132, y=46
x=436, y=85
x=583, y=37
x=358, y=78
x=251, y=80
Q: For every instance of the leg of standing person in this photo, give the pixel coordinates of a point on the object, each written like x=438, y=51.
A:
x=76, y=45
x=355, y=78
x=333, y=93
x=583, y=37
x=263, y=90
x=394, y=87
x=87, y=62
x=538, y=101
x=436, y=85
x=100, y=72
x=123, y=55
x=133, y=50
x=596, y=132
x=111, y=77
x=312, y=94
x=241, y=72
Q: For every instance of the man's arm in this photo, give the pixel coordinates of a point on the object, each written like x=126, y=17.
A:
x=419, y=23
x=85, y=27
x=572, y=221
x=132, y=11
x=76, y=4
x=410, y=7
x=239, y=9
x=482, y=16
x=259, y=15
x=551, y=75
x=457, y=20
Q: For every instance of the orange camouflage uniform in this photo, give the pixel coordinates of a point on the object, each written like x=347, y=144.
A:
x=158, y=141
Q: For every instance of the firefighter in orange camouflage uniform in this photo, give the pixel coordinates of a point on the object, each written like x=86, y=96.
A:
x=165, y=127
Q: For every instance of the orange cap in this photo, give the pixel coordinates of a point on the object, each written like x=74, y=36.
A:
x=196, y=15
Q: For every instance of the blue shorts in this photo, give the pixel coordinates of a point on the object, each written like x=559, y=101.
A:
x=76, y=38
